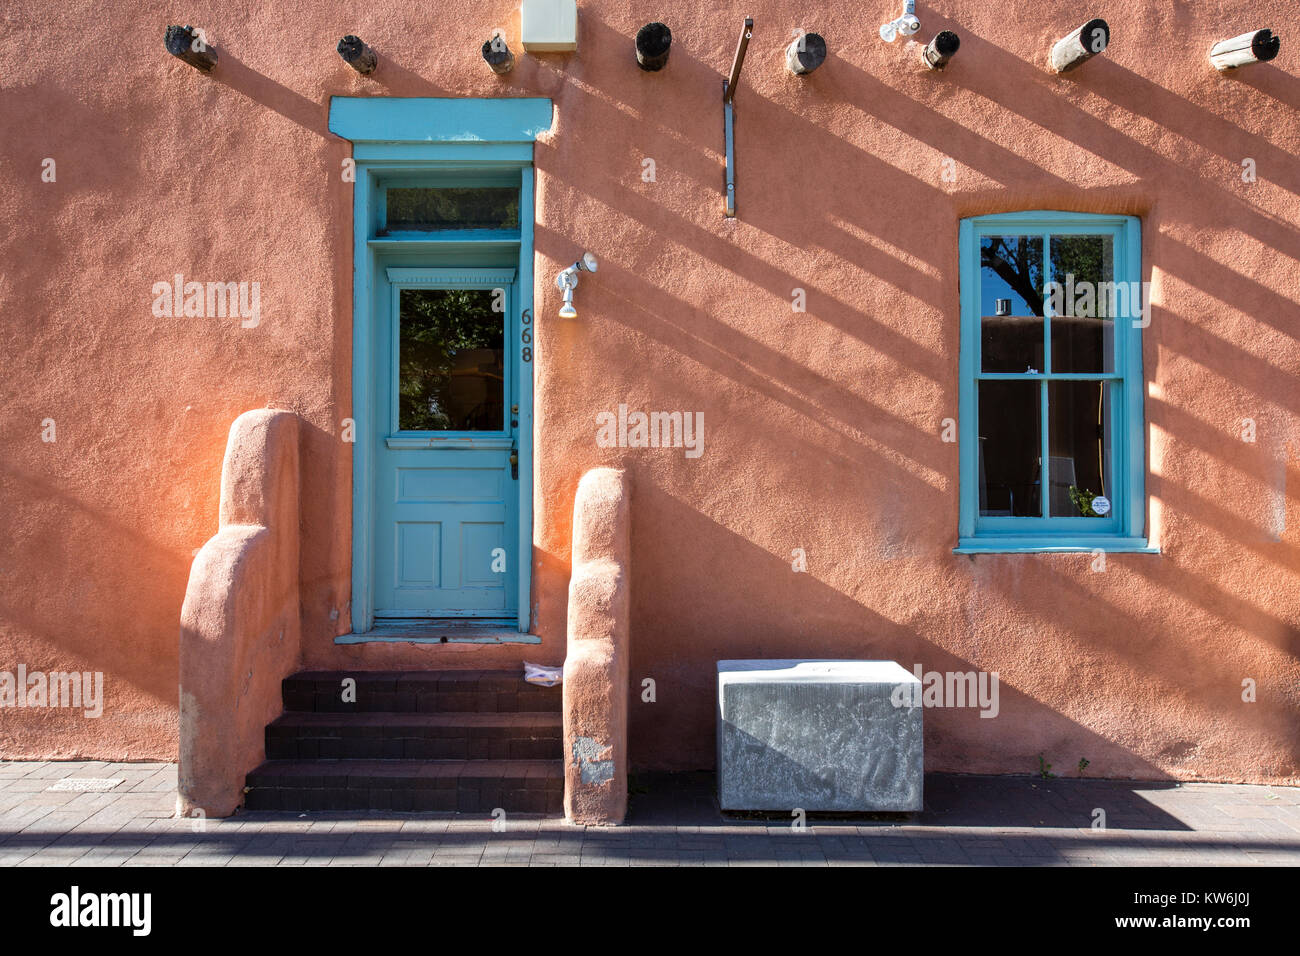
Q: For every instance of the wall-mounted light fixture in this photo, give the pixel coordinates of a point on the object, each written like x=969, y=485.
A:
x=904, y=26
x=497, y=54
x=357, y=55
x=940, y=50
x=567, y=280
x=653, y=41
x=186, y=43
x=1258, y=46
x=1082, y=45
x=805, y=54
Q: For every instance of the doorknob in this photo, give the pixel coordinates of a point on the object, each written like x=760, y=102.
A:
x=514, y=461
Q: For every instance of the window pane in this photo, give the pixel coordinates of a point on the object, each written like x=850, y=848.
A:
x=478, y=207
x=1085, y=299
x=1079, y=441
x=450, y=361
x=1011, y=303
x=1009, y=449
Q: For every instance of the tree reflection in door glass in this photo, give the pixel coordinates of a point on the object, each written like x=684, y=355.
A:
x=451, y=374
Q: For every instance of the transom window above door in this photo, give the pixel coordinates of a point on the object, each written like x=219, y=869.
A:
x=432, y=208
x=1052, y=450
x=469, y=206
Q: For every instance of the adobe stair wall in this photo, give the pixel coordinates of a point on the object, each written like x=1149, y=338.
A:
x=596, y=668
x=240, y=630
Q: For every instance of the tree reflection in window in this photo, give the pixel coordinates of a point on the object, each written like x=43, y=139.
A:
x=1017, y=261
x=451, y=349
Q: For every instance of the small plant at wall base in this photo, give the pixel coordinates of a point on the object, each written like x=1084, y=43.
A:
x=1082, y=499
x=1045, y=769
x=1083, y=765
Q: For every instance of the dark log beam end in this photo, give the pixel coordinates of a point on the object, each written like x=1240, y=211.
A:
x=357, y=55
x=1081, y=46
x=181, y=42
x=653, y=42
x=805, y=54
x=1258, y=46
x=498, y=56
x=1266, y=45
x=940, y=50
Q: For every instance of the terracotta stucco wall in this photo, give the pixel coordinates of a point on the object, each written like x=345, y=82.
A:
x=822, y=429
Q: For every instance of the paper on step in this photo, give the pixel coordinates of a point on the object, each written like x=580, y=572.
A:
x=542, y=675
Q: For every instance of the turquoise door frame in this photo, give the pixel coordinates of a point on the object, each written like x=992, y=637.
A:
x=427, y=137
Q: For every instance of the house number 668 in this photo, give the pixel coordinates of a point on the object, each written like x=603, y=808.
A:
x=526, y=336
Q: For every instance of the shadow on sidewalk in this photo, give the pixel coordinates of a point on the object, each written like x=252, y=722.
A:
x=951, y=800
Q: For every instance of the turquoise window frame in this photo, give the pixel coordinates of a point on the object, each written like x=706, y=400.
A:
x=435, y=141
x=1125, y=528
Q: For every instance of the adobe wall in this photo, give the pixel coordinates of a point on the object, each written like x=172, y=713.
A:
x=822, y=429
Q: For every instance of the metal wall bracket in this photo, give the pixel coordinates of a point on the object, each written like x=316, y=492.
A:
x=729, y=118
x=729, y=135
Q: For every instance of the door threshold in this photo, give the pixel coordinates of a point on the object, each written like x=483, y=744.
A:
x=439, y=633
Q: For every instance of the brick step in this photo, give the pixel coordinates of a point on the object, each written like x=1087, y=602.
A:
x=467, y=786
x=420, y=736
x=494, y=691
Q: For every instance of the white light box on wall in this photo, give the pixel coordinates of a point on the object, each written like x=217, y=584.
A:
x=549, y=26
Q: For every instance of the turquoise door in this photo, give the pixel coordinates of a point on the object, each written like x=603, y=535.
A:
x=446, y=435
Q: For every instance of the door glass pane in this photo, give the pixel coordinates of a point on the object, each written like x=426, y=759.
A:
x=1009, y=449
x=1085, y=300
x=451, y=353
x=1011, y=303
x=1079, y=442
x=477, y=207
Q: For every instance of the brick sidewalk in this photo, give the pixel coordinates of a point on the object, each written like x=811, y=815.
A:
x=674, y=821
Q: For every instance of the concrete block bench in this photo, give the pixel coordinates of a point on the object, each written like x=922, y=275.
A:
x=818, y=735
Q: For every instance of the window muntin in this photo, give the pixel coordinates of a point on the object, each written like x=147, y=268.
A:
x=1051, y=382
